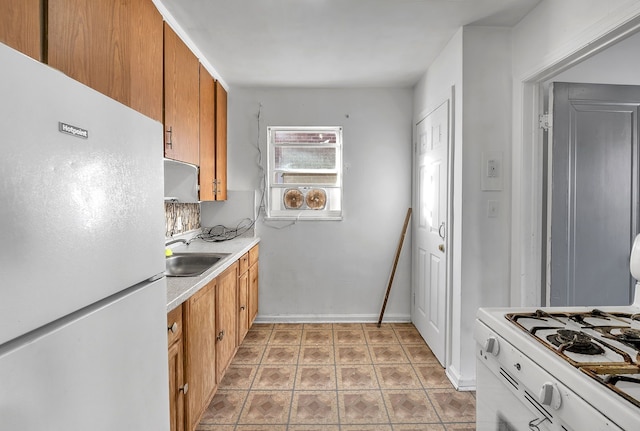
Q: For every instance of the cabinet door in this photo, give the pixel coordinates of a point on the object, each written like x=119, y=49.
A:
x=207, y=136
x=226, y=318
x=221, y=143
x=243, y=306
x=181, y=100
x=113, y=47
x=253, y=283
x=174, y=325
x=253, y=292
x=145, y=59
x=20, y=26
x=87, y=40
x=176, y=386
x=200, y=351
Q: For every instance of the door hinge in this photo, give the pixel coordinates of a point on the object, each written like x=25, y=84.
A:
x=544, y=122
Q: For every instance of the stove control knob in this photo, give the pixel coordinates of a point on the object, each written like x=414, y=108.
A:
x=550, y=395
x=492, y=346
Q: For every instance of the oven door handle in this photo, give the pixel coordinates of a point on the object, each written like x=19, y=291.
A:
x=534, y=423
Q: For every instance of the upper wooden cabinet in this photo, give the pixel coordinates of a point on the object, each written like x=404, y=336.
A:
x=221, y=142
x=114, y=47
x=146, y=59
x=181, y=100
x=207, y=136
x=21, y=27
x=213, y=138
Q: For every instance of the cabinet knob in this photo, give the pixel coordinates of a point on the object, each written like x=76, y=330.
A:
x=220, y=336
x=242, y=308
x=173, y=328
x=184, y=388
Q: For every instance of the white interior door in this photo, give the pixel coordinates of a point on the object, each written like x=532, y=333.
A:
x=429, y=273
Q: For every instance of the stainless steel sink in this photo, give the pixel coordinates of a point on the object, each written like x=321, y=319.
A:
x=191, y=264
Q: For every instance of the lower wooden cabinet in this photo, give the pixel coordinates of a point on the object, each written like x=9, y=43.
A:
x=203, y=336
x=243, y=306
x=226, y=318
x=253, y=283
x=200, y=351
x=177, y=384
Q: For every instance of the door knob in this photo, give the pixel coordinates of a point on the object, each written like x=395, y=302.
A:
x=441, y=247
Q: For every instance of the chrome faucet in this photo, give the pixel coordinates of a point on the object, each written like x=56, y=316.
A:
x=174, y=241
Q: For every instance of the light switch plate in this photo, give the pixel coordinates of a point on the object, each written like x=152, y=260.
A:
x=492, y=171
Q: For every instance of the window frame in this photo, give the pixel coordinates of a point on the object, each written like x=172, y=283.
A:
x=274, y=205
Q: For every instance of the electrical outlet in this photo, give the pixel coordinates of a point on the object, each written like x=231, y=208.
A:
x=492, y=168
x=492, y=208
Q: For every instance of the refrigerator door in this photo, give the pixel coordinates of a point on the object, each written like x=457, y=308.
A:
x=103, y=368
x=81, y=184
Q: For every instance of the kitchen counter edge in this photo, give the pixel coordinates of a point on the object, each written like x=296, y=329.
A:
x=179, y=289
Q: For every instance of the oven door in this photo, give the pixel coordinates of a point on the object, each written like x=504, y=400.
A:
x=500, y=409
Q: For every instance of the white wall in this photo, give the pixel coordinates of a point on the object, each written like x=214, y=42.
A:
x=618, y=64
x=477, y=62
x=554, y=30
x=338, y=270
x=486, y=127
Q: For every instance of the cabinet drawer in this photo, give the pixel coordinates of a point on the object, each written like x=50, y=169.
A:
x=253, y=254
x=174, y=325
x=244, y=263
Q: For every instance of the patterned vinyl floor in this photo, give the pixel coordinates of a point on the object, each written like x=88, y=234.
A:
x=337, y=377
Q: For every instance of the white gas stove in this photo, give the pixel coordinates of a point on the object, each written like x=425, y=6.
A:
x=569, y=368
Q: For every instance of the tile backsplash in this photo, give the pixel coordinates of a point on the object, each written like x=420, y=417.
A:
x=181, y=218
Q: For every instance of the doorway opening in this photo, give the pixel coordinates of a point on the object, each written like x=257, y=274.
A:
x=531, y=235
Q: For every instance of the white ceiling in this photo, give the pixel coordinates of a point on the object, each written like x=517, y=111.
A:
x=331, y=43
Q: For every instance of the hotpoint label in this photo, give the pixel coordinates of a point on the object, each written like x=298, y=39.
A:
x=73, y=130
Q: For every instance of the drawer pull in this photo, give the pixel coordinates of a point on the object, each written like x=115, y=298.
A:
x=173, y=328
x=169, y=133
x=184, y=388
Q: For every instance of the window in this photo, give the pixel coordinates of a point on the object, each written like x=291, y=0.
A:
x=304, y=173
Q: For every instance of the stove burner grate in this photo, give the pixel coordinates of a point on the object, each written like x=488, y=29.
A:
x=575, y=342
x=631, y=335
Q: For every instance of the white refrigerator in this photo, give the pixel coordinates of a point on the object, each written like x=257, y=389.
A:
x=82, y=291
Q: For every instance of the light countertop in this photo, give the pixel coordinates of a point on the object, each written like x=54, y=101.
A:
x=179, y=289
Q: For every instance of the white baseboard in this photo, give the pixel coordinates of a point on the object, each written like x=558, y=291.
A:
x=458, y=382
x=332, y=318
